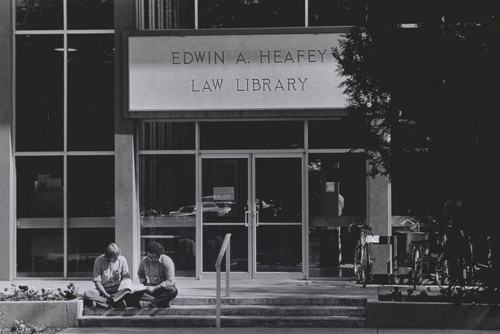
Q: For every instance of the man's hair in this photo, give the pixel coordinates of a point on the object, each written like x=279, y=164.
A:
x=155, y=247
x=111, y=251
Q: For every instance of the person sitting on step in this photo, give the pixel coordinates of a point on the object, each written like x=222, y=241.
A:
x=110, y=269
x=157, y=273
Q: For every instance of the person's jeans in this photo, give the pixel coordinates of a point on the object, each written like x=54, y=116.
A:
x=160, y=297
x=98, y=298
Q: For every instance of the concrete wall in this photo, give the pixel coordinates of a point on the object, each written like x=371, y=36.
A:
x=379, y=217
x=6, y=103
x=127, y=230
x=55, y=314
x=432, y=315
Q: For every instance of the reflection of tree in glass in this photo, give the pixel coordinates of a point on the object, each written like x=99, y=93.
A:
x=251, y=13
x=39, y=14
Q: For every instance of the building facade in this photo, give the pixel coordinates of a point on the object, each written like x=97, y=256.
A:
x=181, y=121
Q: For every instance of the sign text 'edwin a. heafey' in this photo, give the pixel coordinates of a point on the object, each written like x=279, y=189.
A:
x=233, y=72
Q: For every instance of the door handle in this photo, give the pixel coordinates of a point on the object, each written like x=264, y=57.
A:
x=246, y=218
x=256, y=218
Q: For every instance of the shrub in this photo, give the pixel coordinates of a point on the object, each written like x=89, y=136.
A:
x=25, y=293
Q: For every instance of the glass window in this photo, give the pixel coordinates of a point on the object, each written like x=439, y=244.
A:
x=279, y=248
x=167, y=183
x=84, y=245
x=90, y=92
x=90, y=14
x=251, y=135
x=91, y=186
x=278, y=189
x=336, y=134
x=224, y=190
x=39, y=93
x=40, y=252
x=251, y=13
x=167, y=198
x=39, y=187
x=213, y=237
x=167, y=14
x=179, y=244
x=39, y=14
x=336, y=12
x=167, y=136
x=337, y=187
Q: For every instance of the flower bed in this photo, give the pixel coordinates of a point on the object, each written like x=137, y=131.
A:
x=456, y=295
x=39, y=309
x=25, y=293
x=458, y=308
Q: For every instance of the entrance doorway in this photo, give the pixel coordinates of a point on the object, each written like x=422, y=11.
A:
x=258, y=198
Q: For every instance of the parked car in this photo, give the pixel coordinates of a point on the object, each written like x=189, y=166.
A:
x=208, y=208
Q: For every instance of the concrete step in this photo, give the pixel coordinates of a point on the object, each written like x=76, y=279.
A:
x=316, y=301
x=226, y=321
x=233, y=310
x=342, y=311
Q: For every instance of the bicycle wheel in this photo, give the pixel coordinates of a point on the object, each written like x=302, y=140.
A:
x=365, y=265
x=417, y=267
x=357, y=263
x=441, y=275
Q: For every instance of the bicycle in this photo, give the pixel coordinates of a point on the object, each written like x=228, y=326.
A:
x=363, y=262
x=417, y=247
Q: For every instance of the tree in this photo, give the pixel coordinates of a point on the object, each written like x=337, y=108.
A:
x=424, y=76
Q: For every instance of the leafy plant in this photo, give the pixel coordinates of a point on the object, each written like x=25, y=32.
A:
x=25, y=293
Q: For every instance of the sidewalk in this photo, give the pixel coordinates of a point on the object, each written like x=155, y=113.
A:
x=268, y=331
x=190, y=287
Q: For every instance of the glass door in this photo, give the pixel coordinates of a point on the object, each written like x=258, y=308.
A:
x=277, y=184
x=225, y=184
x=259, y=200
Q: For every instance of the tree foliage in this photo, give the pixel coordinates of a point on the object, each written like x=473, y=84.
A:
x=424, y=76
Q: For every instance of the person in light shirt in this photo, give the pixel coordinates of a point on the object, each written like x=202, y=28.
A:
x=157, y=273
x=110, y=269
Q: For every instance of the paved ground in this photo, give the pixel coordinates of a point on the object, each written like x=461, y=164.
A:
x=268, y=331
x=190, y=287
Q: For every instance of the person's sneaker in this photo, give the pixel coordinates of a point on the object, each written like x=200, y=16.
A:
x=121, y=305
x=164, y=304
x=90, y=304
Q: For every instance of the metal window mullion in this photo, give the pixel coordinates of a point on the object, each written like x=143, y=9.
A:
x=198, y=195
x=196, y=16
x=162, y=15
x=39, y=32
x=138, y=14
x=305, y=204
x=65, y=140
x=151, y=15
x=13, y=175
x=306, y=13
x=89, y=153
x=91, y=32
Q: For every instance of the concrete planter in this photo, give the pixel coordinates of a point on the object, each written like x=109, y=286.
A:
x=55, y=314
x=390, y=314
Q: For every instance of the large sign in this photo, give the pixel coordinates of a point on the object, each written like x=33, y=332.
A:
x=233, y=72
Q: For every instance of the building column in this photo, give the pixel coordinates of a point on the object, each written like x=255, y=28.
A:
x=127, y=230
x=7, y=226
x=379, y=217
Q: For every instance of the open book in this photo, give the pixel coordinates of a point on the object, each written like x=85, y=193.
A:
x=126, y=287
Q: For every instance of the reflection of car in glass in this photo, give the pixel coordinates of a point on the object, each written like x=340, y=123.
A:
x=150, y=213
x=184, y=211
x=208, y=208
